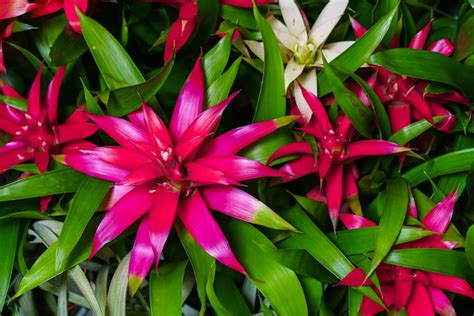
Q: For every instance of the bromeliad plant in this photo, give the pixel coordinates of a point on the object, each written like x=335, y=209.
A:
x=162, y=174
x=129, y=186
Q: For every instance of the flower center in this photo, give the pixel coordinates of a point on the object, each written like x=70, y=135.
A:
x=305, y=53
x=36, y=134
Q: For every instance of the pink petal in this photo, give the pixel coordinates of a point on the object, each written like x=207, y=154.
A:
x=358, y=29
x=114, y=195
x=352, y=221
x=441, y=303
x=181, y=30
x=42, y=160
x=122, y=131
x=400, y=115
x=319, y=112
x=239, y=168
x=291, y=149
x=334, y=192
x=74, y=131
x=233, y=141
x=121, y=216
x=351, y=192
x=451, y=96
x=356, y=277
x=205, y=123
x=439, y=217
x=46, y=8
x=157, y=130
x=324, y=164
x=420, y=302
x=316, y=195
x=76, y=146
x=201, y=225
x=34, y=97
x=443, y=46
x=141, y=257
x=416, y=99
x=447, y=124
x=369, y=307
x=78, y=116
x=44, y=202
x=204, y=175
x=189, y=103
x=13, y=8
x=71, y=14
x=412, y=211
x=451, y=284
x=119, y=156
x=93, y=166
x=419, y=40
x=372, y=147
x=9, y=126
x=145, y=173
x=13, y=156
x=186, y=150
x=241, y=205
x=52, y=95
x=162, y=215
x=299, y=167
x=403, y=285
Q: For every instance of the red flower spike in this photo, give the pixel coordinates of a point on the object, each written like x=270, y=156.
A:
x=418, y=292
x=36, y=134
x=160, y=174
x=335, y=155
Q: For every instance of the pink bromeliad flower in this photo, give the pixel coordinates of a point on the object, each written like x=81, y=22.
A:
x=36, y=133
x=406, y=97
x=419, y=292
x=184, y=26
x=15, y=8
x=334, y=160
x=183, y=171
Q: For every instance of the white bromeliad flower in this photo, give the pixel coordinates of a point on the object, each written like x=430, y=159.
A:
x=303, y=48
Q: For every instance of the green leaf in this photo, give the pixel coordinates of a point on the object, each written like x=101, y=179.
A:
x=358, y=53
x=442, y=261
x=17, y=103
x=435, y=67
x=355, y=300
x=265, y=147
x=313, y=290
x=166, y=289
x=377, y=106
x=220, y=88
x=239, y=16
x=465, y=39
x=271, y=100
x=230, y=296
x=9, y=230
x=208, y=12
x=219, y=308
x=200, y=261
x=127, y=99
x=317, y=244
x=86, y=201
x=34, y=61
x=412, y=131
x=117, y=295
x=63, y=180
x=91, y=104
x=278, y=283
x=43, y=269
x=391, y=221
x=453, y=162
x=67, y=48
x=216, y=59
x=359, y=115
x=469, y=245
x=362, y=240
x=381, y=8
x=114, y=63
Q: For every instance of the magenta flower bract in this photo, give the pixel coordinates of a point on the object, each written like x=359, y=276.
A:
x=336, y=153
x=419, y=292
x=184, y=171
x=15, y=8
x=406, y=97
x=36, y=134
